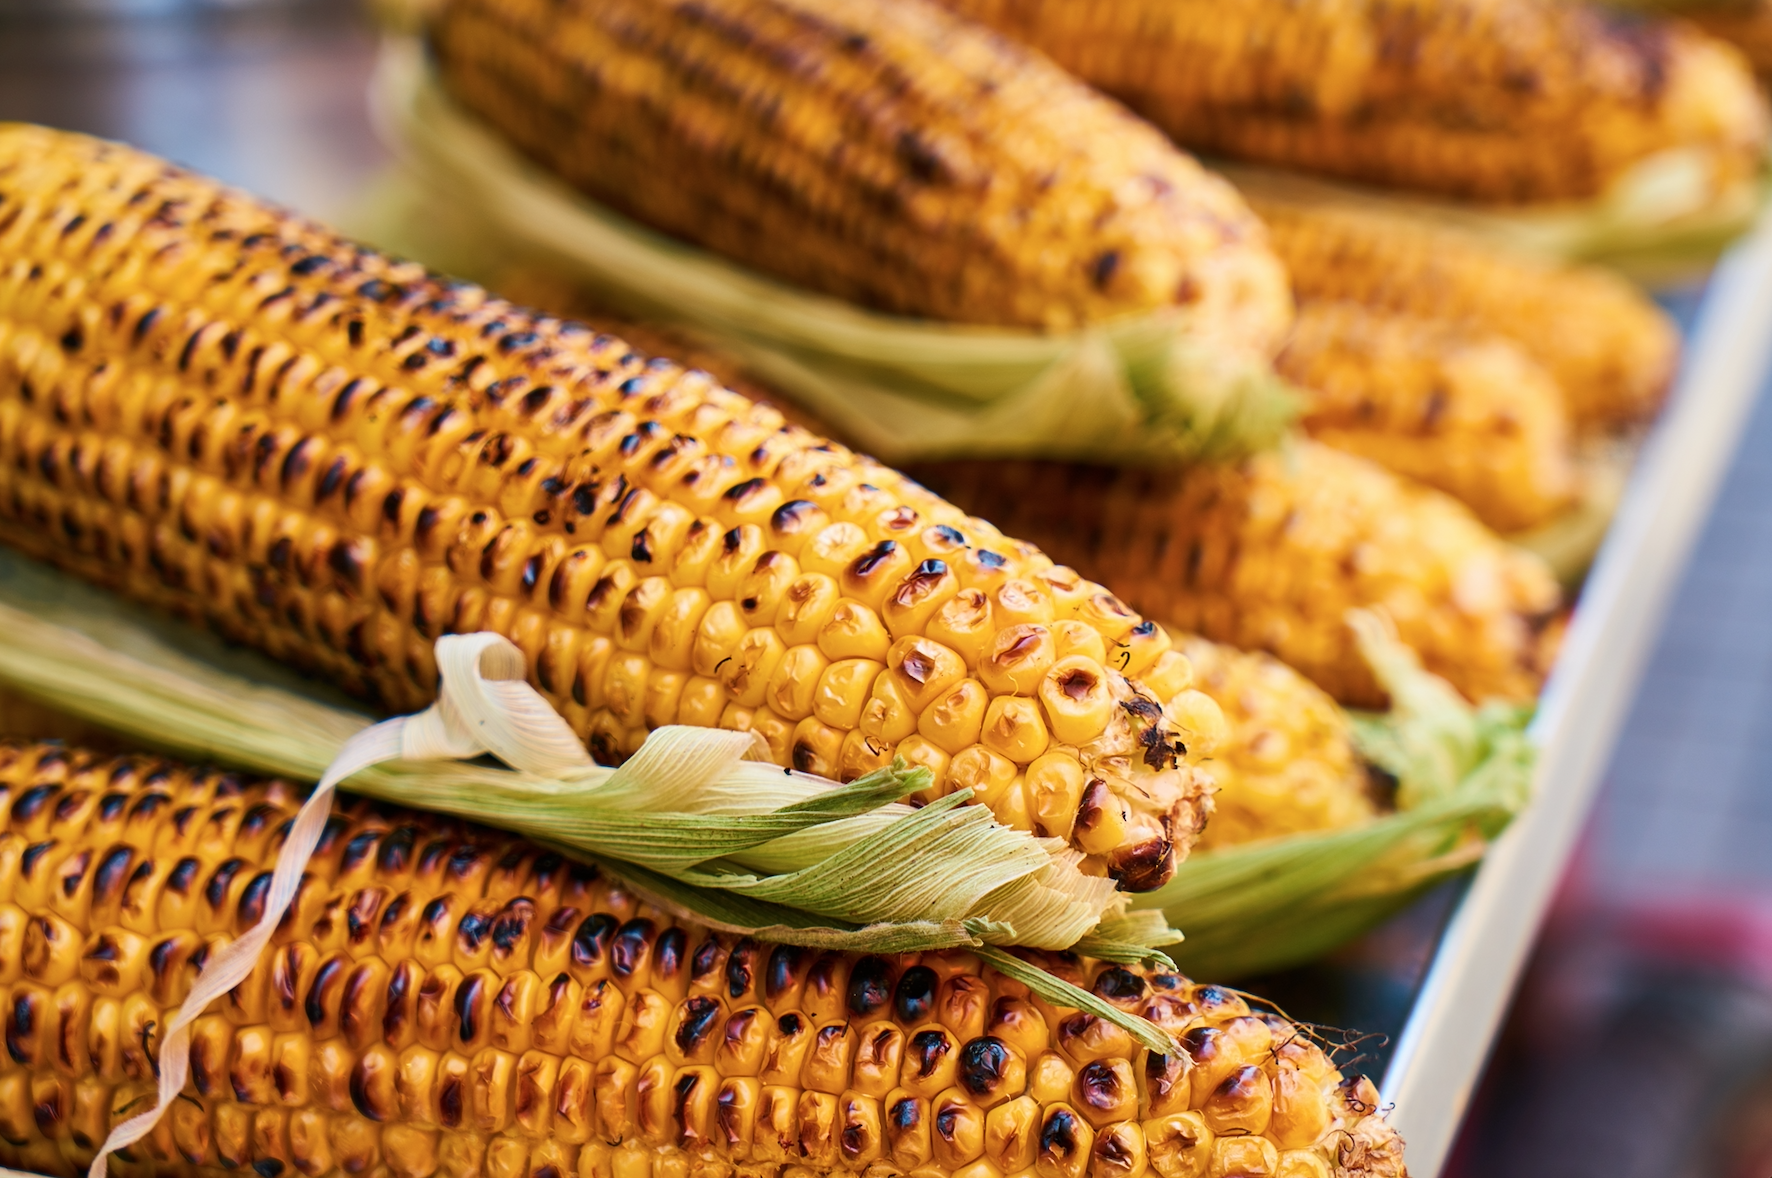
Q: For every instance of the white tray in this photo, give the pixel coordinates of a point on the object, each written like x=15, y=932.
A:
x=1445, y=1043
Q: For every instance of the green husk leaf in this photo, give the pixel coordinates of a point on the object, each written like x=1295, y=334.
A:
x=1148, y=387
x=1463, y=773
x=870, y=871
x=1062, y=993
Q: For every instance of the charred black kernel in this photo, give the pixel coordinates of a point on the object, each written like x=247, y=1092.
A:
x=467, y=996
x=870, y=986
x=905, y=1114
x=217, y=889
x=160, y=956
x=928, y=1049
x=1102, y=272
x=1058, y=1136
x=360, y=916
x=705, y=961
x=359, y=849
x=1119, y=985
x=870, y=560
x=667, y=955
x=184, y=873
x=1201, y=1043
x=915, y=994
x=629, y=947
x=315, y=1006
x=789, y=1024
x=473, y=930
x=34, y=852
x=107, y=881
x=517, y=339
x=267, y=1168
x=731, y=540
x=463, y=862
x=946, y=1121
x=19, y=1026
x=111, y=805
x=396, y=850
x=983, y=1062
x=31, y=802
x=738, y=968
x=591, y=942
x=510, y=925
x=72, y=339
x=990, y=559
x=145, y=324
x=699, y=1016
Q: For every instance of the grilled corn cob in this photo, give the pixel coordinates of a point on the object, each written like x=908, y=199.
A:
x=1501, y=100
x=1287, y=764
x=1271, y=553
x=888, y=154
x=232, y=413
x=445, y=999
x=1612, y=351
x=1466, y=412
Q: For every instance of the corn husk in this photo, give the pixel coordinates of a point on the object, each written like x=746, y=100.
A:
x=1463, y=772
x=1142, y=388
x=738, y=845
x=1663, y=222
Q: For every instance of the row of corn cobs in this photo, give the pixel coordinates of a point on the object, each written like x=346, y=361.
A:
x=219, y=408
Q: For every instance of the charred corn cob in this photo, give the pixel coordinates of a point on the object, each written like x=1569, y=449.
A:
x=1466, y=412
x=1612, y=351
x=1270, y=554
x=888, y=154
x=1287, y=763
x=232, y=413
x=445, y=999
x=1501, y=100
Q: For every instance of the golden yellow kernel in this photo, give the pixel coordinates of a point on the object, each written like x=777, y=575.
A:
x=1079, y=638
x=640, y=612
x=1013, y=726
x=816, y=748
x=1200, y=720
x=918, y=750
x=854, y=631
x=1171, y=674
x=673, y=636
x=954, y=721
x=915, y=600
x=761, y=592
x=964, y=624
x=1054, y=791
x=888, y=715
x=834, y=548
x=1077, y=701
x=753, y=663
x=722, y=628
x=924, y=669
x=1016, y=659
x=843, y=690
x=806, y=606
x=986, y=773
x=1021, y=602
x=794, y=685
x=701, y=703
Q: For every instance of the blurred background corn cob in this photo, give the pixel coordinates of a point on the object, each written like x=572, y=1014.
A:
x=889, y=154
x=1287, y=763
x=1496, y=100
x=219, y=408
x=1269, y=554
x=1456, y=409
x=1611, y=350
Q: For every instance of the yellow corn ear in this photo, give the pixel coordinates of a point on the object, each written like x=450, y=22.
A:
x=889, y=154
x=1498, y=100
x=1452, y=407
x=443, y=999
x=1270, y=554
x=230, y=412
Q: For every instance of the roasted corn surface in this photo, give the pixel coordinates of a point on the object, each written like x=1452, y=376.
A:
x=888, y=154
x=336, y=457
x=1271, y=553
x=1287, y=763
x=1467, y=412
x=1611, y=349
x=1498, y=100
x=444, y=999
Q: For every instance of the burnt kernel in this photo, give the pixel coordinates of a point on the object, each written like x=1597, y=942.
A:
x=184, y=873
x=1058, y=1136
x=31, y=802
x=474, y=928
x=706, y=960
x=511, y=924
x=629, y=949
x=784, y=969
x=870, y=986
x=217, y=889
x=467, y=1000
x=983, y=1064
x=325, y=977
x=699, y=1016
x=789, y=1024
x=1118, y=985
x=915, y=994
x=667, y=955
x=928, y=1049
x=1099, y=1086
x=905, y=1115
